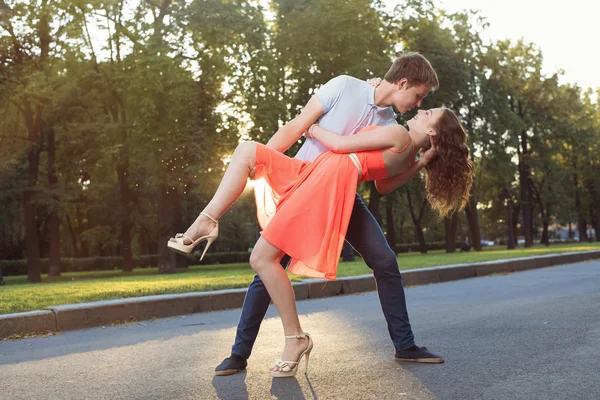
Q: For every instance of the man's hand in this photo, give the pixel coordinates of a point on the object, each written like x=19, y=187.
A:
x=429, y=154
x=374, y=81
x=387, y=185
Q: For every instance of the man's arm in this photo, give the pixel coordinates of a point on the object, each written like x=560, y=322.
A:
x=288, y=134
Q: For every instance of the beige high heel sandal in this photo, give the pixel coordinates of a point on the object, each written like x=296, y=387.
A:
x=289, y=368
x=176, y=244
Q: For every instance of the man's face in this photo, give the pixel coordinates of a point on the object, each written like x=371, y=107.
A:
x=407, y=97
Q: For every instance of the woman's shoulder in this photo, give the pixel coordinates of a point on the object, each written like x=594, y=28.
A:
x=401, y=136
x=400, y=132
x=399, y=129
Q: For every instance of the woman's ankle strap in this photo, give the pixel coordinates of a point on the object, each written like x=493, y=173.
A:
x=300, y=336
x=209, y=217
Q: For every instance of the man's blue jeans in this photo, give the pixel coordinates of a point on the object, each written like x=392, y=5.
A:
x=365, y=235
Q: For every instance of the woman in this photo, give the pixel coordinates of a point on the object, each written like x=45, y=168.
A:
x=316, y=199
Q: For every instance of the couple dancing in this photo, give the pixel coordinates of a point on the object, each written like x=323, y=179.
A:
x=351, y=137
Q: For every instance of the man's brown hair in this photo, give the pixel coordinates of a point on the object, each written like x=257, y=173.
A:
x=414, y=67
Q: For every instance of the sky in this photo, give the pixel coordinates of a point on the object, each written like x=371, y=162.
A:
x=568, y=33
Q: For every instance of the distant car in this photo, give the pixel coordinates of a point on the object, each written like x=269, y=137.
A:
x=488, y=243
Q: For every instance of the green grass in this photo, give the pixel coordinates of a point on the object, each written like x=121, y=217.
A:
x=80, y=287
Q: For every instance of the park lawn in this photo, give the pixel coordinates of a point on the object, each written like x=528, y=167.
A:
x=79, y=287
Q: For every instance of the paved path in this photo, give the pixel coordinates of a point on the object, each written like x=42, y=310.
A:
x=529, y=335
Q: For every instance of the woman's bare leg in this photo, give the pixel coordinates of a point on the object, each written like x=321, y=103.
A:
x=230, y=189
x=264, y=260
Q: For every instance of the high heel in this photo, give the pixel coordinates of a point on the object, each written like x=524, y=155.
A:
x=289, y=368
x=176, y=244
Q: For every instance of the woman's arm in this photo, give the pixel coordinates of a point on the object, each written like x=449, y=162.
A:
x=387, y=185
x=380, y=138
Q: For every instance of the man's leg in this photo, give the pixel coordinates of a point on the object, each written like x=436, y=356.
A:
x=365, y=235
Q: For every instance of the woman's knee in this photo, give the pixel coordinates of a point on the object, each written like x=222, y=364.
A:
x=264, y=256
x=257, y=260
x=246, y=152
x=246, y=148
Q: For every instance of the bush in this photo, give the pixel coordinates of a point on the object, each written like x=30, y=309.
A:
x=408, y=247
x=224, y=258
x=19, y=267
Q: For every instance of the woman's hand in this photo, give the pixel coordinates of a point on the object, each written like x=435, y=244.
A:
x=309, y=132
x=374, y=81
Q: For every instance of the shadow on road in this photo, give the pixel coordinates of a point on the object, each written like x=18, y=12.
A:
x=287, y=388
x=231, y=387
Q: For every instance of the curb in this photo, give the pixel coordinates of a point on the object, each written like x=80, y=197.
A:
x=88, y=315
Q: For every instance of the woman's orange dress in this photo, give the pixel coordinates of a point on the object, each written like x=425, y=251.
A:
x=304, y=207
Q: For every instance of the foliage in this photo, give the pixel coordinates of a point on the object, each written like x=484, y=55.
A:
x=147, y=100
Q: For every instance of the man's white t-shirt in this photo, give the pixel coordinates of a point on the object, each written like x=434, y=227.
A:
x=348, y=106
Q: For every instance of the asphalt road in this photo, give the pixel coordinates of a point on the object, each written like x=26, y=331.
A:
x=529, y=335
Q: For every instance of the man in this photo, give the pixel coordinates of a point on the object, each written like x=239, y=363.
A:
x=346, y=105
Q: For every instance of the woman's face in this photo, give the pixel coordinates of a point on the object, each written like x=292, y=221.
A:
x=425, y=121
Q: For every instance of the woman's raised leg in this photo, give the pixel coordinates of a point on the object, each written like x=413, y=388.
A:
x=230, y=189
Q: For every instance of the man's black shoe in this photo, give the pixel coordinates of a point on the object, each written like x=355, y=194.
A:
x=231, y=365
x=418, y=354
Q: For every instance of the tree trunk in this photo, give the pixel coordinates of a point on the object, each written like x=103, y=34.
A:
x=54, y=267
x=166, y=258
x=32, y=239
x=42, y=227
x=545, y=234
x=391, y=230
x=473, y=222
x=122, y=170
x=510, y=241
x=147, y=243
x=374, y=200
x=545, y=219
x=181, y=261
x=524, y=174
x=419, y=237
x=451, y=223
x=516, y=208
x=73, y=237
x=594, y=210
x=83, y=244
x=401, y=238
x=570, y=229
x=525, y=191
x=581, y=223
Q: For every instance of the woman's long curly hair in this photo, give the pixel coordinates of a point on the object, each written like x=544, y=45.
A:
x=449, y=175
